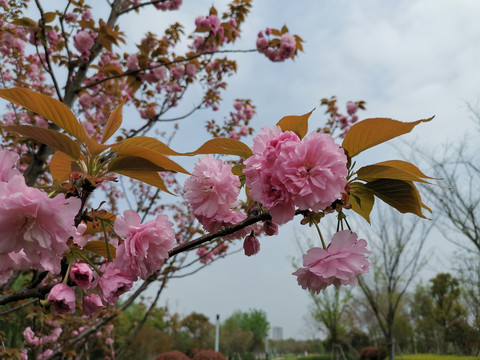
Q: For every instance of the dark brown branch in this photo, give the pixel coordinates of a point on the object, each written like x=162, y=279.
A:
x=48, y=66
x=252, y=219
x=135, y=72
x=141, y=5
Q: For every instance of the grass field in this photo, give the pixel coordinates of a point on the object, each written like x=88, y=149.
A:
x=439, y=357
x=405, y=357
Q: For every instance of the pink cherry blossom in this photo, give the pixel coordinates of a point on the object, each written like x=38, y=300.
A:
x=285, y=172
x=30, y=337
x=191, y=69
x=62, y=298
x=251, y=245
x=340, y=264
x=314, y=172
x=113, y=283
x=82, y=275
x=7, y=161
x=83, y=42
x=177, y=72
x=212, y=190
x=146, y=245
x=91, y=304
x=132, y=62
x=32, y=222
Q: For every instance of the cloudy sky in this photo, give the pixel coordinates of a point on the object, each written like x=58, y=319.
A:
x=408, y=59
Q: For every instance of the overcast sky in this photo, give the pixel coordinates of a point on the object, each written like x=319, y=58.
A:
x=407, y=59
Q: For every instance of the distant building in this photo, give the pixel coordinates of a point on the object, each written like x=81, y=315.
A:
x=277, y=333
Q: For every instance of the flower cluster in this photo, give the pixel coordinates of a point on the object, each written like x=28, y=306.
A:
x=212, y=192
x=34, y=228
x=286, y=172
x=277, y=50
x=339, y=264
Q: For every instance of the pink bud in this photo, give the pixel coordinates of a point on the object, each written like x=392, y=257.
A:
x=91, y=304
x=351, y=108
x=82, y=275
x=270, y=228
x=62, y=298
x=251, y=245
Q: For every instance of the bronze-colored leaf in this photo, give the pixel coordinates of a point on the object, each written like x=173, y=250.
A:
x=99, y=247
x=148, y=177
x=145, y=142
x=370, y=132
x=48, y=137
x=297, y=124
x=161, y=161
x=223, y=146
x=362, y=200
x=396, y=169
x=48, y=107
x=49, y=17
x=399, y=194
x=61, y=166
x=113, y=123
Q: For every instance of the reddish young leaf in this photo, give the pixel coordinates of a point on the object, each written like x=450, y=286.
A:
x=146, y=143
x=113, y=123
x=48, y=137
x=48, y=107
x=161, y=161
x=395, y=169
x=99, y=247
x=296, y=123
x=148, y=177
x=370, y=132
x=362, y=200
x=401, y=195
x=61, y=166
x=223, y=146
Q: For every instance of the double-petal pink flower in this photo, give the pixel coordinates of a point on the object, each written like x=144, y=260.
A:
x=339, y=264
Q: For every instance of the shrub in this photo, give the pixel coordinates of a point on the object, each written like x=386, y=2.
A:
x=172, y=355
x=208, y=355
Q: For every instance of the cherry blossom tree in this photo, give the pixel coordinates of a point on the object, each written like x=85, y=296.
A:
x=66, y=252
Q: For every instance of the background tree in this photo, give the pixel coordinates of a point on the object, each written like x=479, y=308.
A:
x=329, y=310
x=396, y=243
x=244, y=332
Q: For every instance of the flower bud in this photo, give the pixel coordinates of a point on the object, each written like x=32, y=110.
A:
x=251, y=245
x=270, y=228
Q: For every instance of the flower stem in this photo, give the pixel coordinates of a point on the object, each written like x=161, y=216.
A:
x=321, y=237
x=106, y=240
x=88, y=261
x=67, y=274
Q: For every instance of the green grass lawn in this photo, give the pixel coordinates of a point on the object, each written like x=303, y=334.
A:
x=439, y=357
x=405, y=357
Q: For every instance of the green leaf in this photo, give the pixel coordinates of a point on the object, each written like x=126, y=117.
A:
x=297, y=124
x=370, y=132
x=399, y=194
x=99, y=247
x=223, y=146
x=362, y=200
x=113, y=123
x=48, y=137
x=48, y=107
x=394, y=169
